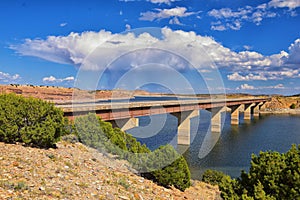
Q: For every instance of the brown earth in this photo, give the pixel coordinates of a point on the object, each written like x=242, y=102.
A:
x=74, y=171
x=51, y=93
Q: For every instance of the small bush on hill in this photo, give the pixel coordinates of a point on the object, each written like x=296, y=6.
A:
x=293, y=106
x=30, y=121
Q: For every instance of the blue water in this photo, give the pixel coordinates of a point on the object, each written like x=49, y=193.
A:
x=233, y=147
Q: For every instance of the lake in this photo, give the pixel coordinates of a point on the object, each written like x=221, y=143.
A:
x=233, y=147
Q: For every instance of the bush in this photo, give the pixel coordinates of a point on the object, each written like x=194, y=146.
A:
x=292, y=106
x=271, y=176
x=213, y=177
x=164, y=165
x=30, y=121
x=177, y=173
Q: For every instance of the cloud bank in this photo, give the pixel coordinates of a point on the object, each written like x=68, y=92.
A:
x=202, y=52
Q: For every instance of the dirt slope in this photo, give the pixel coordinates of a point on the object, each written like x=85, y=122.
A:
x=73, y=171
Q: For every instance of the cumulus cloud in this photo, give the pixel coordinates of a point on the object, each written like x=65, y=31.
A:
x=6, y=77
x=103, y=49
x=165, y=14
x=52, y=79
x=294, y=53
x=291, y=4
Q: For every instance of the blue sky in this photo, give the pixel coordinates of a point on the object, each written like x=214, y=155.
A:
x=182, y=46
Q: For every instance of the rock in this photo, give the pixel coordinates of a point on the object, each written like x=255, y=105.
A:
x=124, y=197
x=109, y=197
x=41, y=188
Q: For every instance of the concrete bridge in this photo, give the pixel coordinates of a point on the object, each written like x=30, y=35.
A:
x=124, y=114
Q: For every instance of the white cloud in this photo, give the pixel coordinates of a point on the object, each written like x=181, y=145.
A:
x=52, y=79
x=6, y=77
x=129, y=50
x=247, y=87
x=175, y=20
x=250, y=87
x=291, y=4
x=229, y=19
x=168, y=2
x=218, y=28
x=247, y=47
x=294, y=53
x=279, y=86
x=163, y=1
x=165, y=14
x=250, y=77
x=63, y=24
x=228, y=13
x=128, y=27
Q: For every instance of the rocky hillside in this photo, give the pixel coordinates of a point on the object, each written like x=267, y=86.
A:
x=280, y=102
x=74, y=171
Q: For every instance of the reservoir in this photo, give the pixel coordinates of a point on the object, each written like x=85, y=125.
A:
x=231, y=150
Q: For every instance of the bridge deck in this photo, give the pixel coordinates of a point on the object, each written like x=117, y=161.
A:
x=120, y=110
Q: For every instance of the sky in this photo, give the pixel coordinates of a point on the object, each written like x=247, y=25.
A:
x=177, y=46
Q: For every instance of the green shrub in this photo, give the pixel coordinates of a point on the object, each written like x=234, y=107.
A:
x=272, y=175
x=177, y=173
x=30, y=121
x=213, y=177
x=292, y=106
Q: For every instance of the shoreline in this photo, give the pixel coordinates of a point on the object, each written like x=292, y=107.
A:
x=281, y=111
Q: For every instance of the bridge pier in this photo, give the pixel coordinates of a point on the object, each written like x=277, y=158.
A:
x=247, y=111
x=216, y=125
x=235, y=113
x=256, y=109
x=184, y=126
x=125, y=124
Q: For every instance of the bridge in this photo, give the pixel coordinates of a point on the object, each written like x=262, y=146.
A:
x=124, y=114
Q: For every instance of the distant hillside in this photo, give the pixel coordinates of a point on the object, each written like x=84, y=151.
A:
x=51, y=93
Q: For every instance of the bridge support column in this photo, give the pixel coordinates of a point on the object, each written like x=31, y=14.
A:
x=256, y=109
x=216, y=125
x=184, y=126
x=235, y=113
x=126, y=124
x=247, y=111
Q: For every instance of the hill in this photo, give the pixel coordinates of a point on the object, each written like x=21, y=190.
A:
x=51, y=93
x=74, y=171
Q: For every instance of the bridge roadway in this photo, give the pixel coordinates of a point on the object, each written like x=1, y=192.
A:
x=124, y=114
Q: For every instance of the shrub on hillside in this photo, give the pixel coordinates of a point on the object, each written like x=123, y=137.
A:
x=213, y=177
x=293, y=106
x=272, y=175
x=176, y=173
x=30, y=121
